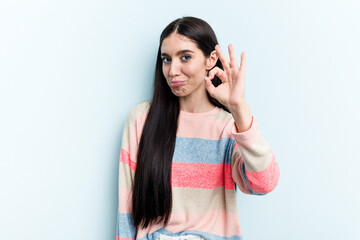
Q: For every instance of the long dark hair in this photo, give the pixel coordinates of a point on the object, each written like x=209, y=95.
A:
x=152, y=197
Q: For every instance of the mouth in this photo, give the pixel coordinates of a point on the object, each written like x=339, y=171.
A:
x=176, y=84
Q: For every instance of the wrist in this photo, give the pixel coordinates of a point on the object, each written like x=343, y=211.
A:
x=242, y=116
x=238, y=107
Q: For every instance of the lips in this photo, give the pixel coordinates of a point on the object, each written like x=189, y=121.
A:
x=176, y=84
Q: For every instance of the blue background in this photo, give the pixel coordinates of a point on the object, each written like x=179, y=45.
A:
x=70, y=71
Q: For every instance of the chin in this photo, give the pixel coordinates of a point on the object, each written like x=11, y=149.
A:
x=179, y=93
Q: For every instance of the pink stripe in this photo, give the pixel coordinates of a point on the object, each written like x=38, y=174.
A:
x=249, y=138
x=266, y=180
x=121, y=238
x=213, y=222
x=235, y=146
x=188, y=128
x=201, y=175
x=125, y=158
x=229, y=181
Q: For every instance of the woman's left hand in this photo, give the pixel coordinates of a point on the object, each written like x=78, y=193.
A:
x=231, y=92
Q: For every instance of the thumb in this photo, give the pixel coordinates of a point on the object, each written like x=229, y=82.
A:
x=209, y=86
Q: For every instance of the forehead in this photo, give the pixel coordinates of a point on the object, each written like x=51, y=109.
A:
x=175, y=42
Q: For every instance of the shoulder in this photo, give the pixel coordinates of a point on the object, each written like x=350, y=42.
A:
x=224, y=118
x=223, y=115
x=139, y=110
x=226, y=123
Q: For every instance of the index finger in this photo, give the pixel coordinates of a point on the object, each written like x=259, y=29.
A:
x=222, y=58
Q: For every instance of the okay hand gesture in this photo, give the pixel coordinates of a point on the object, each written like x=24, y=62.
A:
x=231, y=92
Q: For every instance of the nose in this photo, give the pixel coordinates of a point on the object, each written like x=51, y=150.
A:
x=174, y=69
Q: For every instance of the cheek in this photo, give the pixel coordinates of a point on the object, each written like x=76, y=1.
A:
x=191, y=70
x=194, y=70
x=165, y=71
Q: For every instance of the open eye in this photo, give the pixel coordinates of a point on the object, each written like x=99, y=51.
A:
x=185, y=57
x=166, y=59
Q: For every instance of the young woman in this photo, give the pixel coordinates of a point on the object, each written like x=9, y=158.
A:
x=184, y=152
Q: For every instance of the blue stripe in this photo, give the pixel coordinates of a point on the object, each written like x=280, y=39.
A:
x=207, y=236
x=197, y=150
x=125, y=227
x=247, y=181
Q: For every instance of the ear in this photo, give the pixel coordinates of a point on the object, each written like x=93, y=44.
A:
x=211, y=60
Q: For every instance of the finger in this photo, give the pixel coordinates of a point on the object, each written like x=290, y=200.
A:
x=243, y=64
x=218, y=72
x=233, y=60
x=222, y=58
x=209, y=86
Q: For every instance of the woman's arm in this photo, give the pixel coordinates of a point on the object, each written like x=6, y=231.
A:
x=125, y=229
x=254, y=166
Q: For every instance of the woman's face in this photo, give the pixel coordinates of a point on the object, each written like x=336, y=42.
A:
x=183, y=65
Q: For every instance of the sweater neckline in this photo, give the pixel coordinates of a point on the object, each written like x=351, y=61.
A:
x=201, y=114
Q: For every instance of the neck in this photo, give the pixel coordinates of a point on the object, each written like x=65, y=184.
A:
x=196, y=103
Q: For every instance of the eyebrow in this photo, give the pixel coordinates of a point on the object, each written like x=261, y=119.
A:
x=178, y=52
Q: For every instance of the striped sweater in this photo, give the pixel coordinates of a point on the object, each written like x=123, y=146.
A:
x=210, y=159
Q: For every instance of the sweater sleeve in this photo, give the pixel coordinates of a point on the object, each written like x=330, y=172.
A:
x=254, y=166
x=125, y=229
